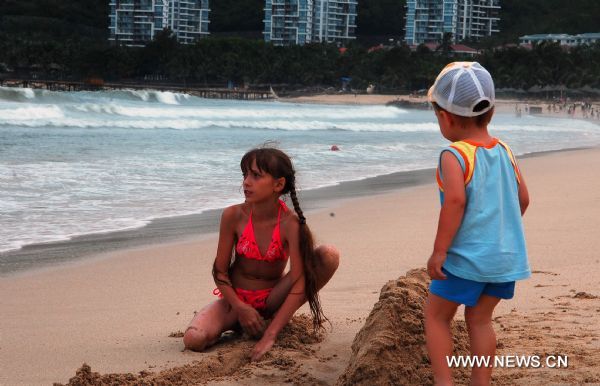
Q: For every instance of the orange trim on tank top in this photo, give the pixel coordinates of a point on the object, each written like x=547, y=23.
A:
x=467, y=163
x=490, y=145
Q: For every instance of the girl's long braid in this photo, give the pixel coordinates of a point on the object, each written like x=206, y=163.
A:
x=309, y=259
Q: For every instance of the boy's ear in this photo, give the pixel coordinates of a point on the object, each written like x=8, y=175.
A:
x=446, y=117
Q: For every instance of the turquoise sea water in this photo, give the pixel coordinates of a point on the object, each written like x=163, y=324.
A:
x=86, y=162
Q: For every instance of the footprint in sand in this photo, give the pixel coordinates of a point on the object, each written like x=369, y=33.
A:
x=546, y=273
x=584, y=295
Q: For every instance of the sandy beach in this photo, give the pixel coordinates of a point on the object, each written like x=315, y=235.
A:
x=503, y=105
x=116, y=311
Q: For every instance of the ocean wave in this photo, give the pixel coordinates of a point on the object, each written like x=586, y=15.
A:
x=52, y=116
x=369, y=113
x=22, y=116
x=64, y=227
x=16, y=94
x=196, y=124
x=29, y=238
x=30, y=95
x=164, y=97
x=13, y=94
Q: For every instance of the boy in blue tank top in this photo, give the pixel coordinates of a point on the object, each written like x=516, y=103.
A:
x=479, y=249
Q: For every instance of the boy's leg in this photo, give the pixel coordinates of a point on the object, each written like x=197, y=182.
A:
x=482, y=336
x=439, y=313
x=208, y=324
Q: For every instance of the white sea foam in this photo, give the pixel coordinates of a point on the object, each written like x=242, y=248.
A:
x=23, y=115
x=165, y=97
x=190, y=124
x=244, y=112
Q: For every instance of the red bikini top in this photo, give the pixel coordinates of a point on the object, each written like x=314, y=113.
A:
x=247, y=247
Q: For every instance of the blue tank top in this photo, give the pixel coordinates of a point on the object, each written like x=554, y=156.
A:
x=489, y=245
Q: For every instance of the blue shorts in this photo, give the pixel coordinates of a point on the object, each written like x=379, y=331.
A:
x=467, y=292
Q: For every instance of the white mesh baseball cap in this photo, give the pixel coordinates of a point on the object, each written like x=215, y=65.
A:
x=461, y=86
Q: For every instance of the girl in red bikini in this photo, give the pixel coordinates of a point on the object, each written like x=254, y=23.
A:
x=256, y=238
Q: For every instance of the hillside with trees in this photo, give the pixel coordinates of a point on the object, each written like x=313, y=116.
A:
x=67, y=39
x=54, y=19
x=523, y=17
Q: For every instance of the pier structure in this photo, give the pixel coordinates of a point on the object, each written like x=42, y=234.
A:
x=202, y=92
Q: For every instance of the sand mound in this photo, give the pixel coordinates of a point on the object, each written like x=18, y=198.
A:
x=231, y=361
x=223, y=364
x=390, y=348
x=299, y=333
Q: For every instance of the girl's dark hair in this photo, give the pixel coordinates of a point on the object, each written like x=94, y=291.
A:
x=278, y=164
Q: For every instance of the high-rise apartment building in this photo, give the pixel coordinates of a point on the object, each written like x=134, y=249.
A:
x=189, y=19
x=290, y=22
x=334, y=21
x=135, y=22
x=428, y=20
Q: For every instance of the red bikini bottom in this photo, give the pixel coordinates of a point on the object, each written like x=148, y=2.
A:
x=256, y=298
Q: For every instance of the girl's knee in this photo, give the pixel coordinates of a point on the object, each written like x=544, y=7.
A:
x=196, y=339
x=329, y=255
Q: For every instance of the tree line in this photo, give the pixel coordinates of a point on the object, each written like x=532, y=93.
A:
x=222, y=61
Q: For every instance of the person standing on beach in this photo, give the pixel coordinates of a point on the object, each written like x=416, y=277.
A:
x=256, y=239
x=479, y=249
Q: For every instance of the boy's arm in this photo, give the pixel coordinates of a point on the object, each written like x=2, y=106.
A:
x=523, y=194
x=450, y=215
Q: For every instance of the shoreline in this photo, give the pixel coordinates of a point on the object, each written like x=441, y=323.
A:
x=503, y=105
x=174, y=229
x=116, y=313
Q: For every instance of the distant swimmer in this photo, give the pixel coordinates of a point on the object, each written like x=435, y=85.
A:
x=335, y=148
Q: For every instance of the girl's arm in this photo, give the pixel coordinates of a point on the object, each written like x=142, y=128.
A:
x=249, y=318
x=295, y=297
x=451, y=213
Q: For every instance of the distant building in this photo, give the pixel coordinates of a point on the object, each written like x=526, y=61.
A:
x=136, y=22
x=189, y=20
x=335, y=21
x=290, y=22
x=588, y=38
x=562, y=39
x=428, y=20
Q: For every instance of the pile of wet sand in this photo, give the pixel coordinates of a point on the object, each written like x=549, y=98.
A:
x=390, y=347
x=232, y=361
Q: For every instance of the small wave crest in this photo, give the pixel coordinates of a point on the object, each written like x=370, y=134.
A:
x=164, y=97
x=33, y=115
x=13, y=94
x=198, y=124
x=17, y=94
x=244, y=114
